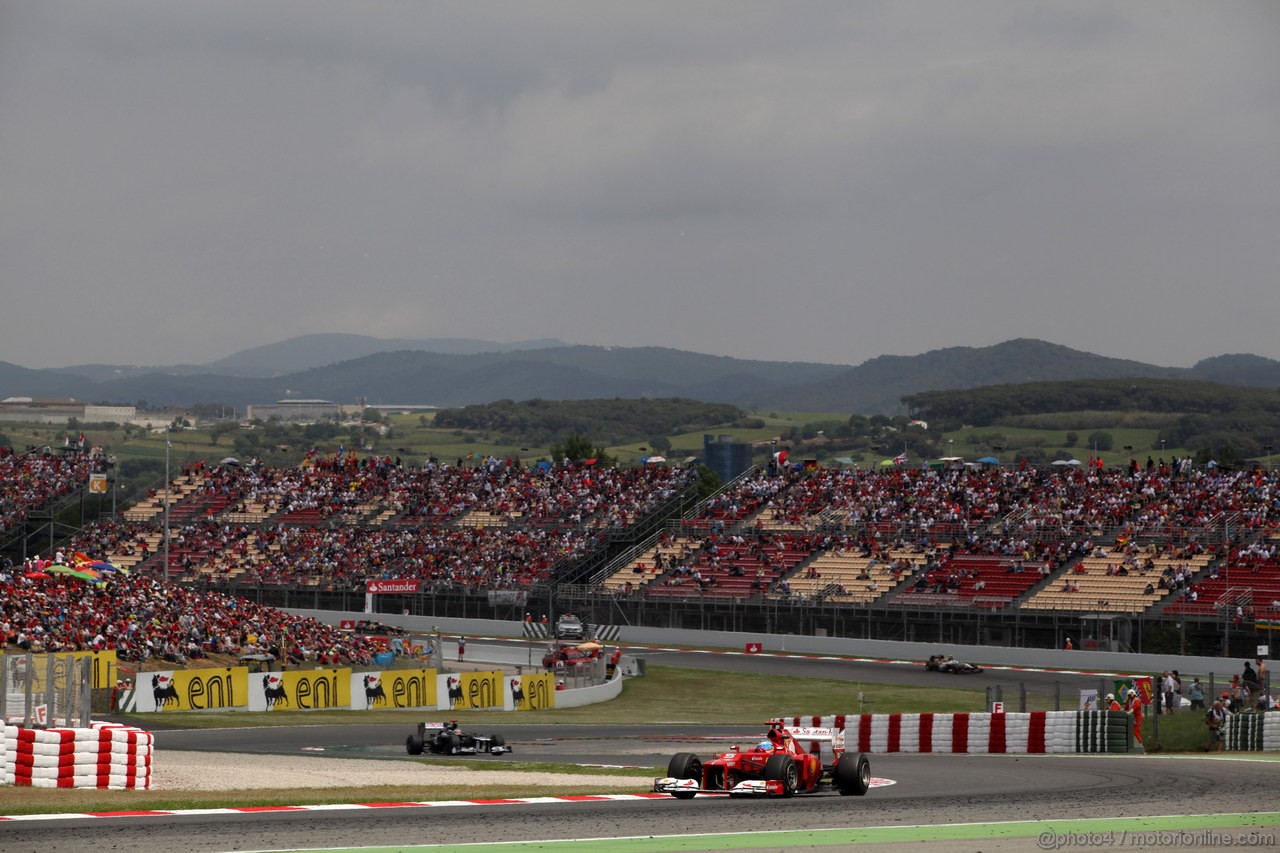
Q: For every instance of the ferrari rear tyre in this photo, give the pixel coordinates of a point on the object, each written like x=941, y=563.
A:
x=685, y=765
x=414, y=745
x=852, y=774
x=782, y=768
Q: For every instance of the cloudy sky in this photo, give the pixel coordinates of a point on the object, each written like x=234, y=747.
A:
x=798, y=180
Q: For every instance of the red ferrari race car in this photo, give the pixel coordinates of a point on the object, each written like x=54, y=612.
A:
x=776, y=767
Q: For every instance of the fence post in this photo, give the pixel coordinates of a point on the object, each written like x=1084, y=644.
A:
x=70, y=671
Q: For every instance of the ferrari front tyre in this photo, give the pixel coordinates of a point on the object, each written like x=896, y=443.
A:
x=497, y=741
x=852, y=774
x=684, y=765
x=782, y=768
x=414, y=745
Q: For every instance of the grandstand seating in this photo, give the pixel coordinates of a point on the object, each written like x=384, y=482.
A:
x=1091, y=589
x=729, y=571
x=650, y=565
x=336, y=523
x=976, y=580
x=153, y=506
x=1255, y=588
x=849, y=578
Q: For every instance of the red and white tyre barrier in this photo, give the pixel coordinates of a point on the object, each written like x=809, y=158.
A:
x=1036, y=732
x=104, y=756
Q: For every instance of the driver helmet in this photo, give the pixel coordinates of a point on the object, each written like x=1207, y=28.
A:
x=764, y=746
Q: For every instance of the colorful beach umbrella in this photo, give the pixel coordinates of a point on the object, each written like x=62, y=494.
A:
x=81, y=573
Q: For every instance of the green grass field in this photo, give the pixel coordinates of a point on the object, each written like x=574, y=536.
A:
x=414, y=437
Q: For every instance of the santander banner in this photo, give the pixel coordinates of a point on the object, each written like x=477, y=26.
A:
x=393, y=585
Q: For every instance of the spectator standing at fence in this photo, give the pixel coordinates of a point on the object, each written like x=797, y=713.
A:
x=1264, y=683
x=1216, y=719
x=1250, y=678
x=1195, y=693
x=462, y=647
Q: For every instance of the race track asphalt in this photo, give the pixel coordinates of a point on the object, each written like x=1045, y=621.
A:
x=927, y=789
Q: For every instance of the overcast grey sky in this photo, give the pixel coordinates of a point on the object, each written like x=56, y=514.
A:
x=809, y=181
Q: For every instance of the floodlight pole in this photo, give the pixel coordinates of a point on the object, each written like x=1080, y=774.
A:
x=166, y=502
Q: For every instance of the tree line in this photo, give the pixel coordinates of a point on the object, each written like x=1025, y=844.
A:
x=614, y=421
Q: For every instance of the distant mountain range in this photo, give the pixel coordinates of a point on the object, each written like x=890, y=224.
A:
x=455, y=372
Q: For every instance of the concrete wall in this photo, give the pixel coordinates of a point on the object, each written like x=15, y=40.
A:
x=1118, y=662
x=580, y=696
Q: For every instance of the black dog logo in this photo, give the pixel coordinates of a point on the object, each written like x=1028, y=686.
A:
x=163, y=691
x=517, y=692
x=273, y=691
x=373, y=692
x=455, y=691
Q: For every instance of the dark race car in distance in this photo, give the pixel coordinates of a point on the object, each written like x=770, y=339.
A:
x=447, y=739
x=946, y=663
x=776, y=767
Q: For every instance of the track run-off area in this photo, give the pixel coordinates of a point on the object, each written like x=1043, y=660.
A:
x=935, y=802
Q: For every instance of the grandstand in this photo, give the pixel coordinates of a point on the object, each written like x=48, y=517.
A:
x=1253, y=588
x=1105, y=585
x=979, y=580
x=846, y=578
x=874, y=549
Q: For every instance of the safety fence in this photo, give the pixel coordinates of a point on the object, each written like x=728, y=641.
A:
x=101, y=755
x=1035, y=732
x=48, y=689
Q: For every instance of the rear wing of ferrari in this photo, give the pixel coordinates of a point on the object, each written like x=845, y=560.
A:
x=823, y=741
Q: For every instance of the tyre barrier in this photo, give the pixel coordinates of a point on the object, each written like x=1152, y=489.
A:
x=1253, y=731
x=105, y=756
x=1035, y=732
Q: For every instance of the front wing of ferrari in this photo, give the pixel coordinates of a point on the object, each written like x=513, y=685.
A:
x=747, y=787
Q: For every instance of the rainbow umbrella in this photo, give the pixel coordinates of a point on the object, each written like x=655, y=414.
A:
x=81, y=573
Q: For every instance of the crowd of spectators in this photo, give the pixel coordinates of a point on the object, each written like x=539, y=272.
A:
x=436, y=493
x=1039, y=518
x=1033, y=503
x=142, y=618
x=35, y=478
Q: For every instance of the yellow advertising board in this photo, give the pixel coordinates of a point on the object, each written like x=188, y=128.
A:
x=316, y=688
x=532, y=692
x=193, y=690
x=104, y=669
x=468, y=690
x=410, y=688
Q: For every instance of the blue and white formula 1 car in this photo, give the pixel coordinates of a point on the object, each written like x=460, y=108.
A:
x=447, y=739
